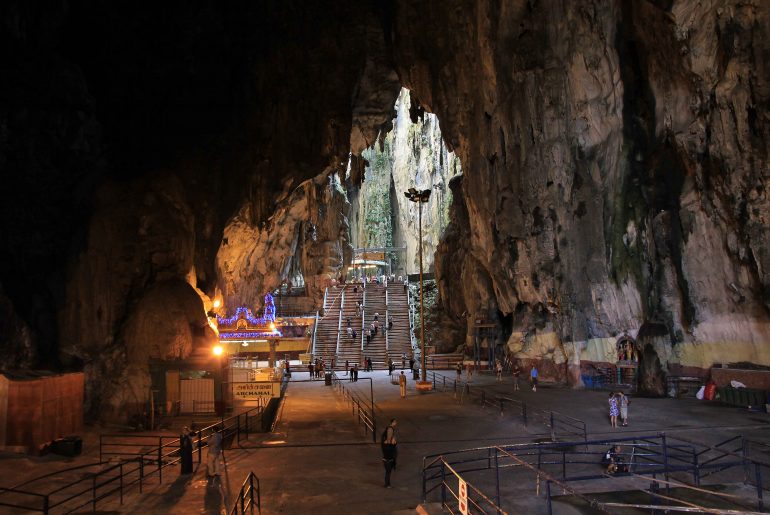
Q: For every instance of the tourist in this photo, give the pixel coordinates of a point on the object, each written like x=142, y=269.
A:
x=352, y=373
x=623, y=401
x=468, y=371
x=613, y=410
x=402, y=384
x=214, y=452
x=403, y=360
x=533, y=375
x=459, y=370
x=355, y=372
x=349, y=324
x=499, y=370
x=368, y=337
x=310, y=370
x=347, y=366
x=516, y=374
x=371, y=365
x=389, y=450
x=405, y=285
x=391, y=367
x=354, y=335
x=350, y=331
x=390, y=323
x=186, y=451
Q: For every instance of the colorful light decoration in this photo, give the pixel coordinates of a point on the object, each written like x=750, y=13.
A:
x=248, y=335
x=217, y=350
x=245, y=313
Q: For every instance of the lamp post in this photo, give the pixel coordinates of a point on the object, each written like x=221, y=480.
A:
x=420, y=197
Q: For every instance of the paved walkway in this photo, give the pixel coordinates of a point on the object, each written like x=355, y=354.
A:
x=320, y=460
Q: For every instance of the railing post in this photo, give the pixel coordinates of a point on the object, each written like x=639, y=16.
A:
x=100, y=448
x=758, y=479
x=141, y=473
x=93, y=492
x=443, y=484
x=160, y=465
x=200, y=445
x=46, y=503
x=696, y=469
x=497, y=477
x=121, y=483
x=665, y=461
x=548, y=494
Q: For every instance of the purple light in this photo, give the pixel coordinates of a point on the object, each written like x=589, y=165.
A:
x=245, y=313
x=248, y=335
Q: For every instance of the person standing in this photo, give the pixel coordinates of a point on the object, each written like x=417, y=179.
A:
x=389, y=450
x=403, y=360
x=390, y=366
x=347, y=366
x=533, y=375
x=186, y=451
x=516, y=374
x=355, y=372
x=214, y=452
x=623, y=401
x=499, y=370
x=459, y=370
x=613, y=410
x=390, y=323
x=402, y=384
x=310, y=370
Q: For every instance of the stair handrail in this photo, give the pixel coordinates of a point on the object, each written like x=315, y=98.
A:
x=245, y=498
x=339, y=324
x=315, y=328
x=384, y=325
x=326, y=292
x=363, y=319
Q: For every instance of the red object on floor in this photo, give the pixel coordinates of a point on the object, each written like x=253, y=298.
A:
x=710, y=391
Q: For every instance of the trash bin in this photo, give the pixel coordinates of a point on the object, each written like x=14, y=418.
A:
x=328, y=379
x=68, y=446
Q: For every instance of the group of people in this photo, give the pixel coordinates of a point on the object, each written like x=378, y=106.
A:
x=316, y=368
x=618, y=407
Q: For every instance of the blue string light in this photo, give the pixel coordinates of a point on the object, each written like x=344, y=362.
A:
x=245, y=313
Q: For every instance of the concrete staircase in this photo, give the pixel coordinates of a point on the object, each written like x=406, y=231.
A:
x=375, y=303
x=328, y=327
x=399, y=338
x=350, y=349
x=387, y=344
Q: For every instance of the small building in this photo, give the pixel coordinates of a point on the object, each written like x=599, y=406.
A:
x=37, y=407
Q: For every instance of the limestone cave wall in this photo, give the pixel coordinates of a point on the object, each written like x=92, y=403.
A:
x=614, y=159
x=615, y=170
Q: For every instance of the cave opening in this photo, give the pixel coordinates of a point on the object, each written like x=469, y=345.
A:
x=383, y=223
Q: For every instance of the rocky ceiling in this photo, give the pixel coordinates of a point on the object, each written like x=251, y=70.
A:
x=614, y=156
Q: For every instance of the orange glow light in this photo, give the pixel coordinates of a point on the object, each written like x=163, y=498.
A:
x=217, y=303
x=217, y=350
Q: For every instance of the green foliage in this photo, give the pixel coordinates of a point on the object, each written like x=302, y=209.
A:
x=377, y=230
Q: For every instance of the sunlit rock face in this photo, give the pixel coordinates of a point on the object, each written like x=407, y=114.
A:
x=615, y=169
x=308, y=231
x=411, y=155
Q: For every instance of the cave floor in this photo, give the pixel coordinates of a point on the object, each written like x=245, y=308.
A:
x=320, y=460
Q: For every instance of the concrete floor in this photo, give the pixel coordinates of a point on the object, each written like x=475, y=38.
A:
x=319, y=460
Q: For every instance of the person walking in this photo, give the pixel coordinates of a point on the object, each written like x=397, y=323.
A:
x=355, y=372
x=389, y=450
x=214, y=453
x=347, y=366
x=533, y=374
x=516, y=374
x=403, y=360
x=390, y=366
x=623, y=401
x=402, y=384
x=614, y=411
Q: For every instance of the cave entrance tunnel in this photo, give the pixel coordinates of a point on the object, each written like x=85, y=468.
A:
x=383, y=221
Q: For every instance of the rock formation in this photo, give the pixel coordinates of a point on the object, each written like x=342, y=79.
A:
x=615, y=156
x=614, y=170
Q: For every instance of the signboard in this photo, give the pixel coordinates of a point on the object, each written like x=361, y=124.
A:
x=256, y=390
x=462, y=496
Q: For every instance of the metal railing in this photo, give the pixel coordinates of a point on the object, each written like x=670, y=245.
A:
x=245, y=499
x=315, y=327
x=560, y=463
x=559, y=425
x=339, y=325
x=363, y=412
